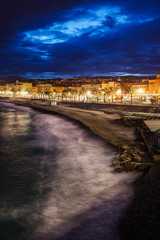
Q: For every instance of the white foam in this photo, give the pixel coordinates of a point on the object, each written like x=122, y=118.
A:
x=84, y=178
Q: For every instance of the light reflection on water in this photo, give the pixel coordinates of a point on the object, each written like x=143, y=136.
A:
x=56, y=179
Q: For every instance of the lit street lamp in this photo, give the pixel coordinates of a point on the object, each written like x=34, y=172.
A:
x=69, y=96
x=88, y=94
x=140, y=91
x=104, y=96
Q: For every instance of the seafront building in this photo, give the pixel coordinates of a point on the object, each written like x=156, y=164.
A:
x=24, y=87
x=90, y=87
x=9, y=87
x=58, y=89
x=140, y=88
x=110, y=84
x=154, y=85
x=85, y=88
x=44, y=88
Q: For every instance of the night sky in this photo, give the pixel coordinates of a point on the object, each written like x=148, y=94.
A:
x=57, y=38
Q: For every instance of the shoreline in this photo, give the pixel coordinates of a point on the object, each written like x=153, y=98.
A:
x=103, y=124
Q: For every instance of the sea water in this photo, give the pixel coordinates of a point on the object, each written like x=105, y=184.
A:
x=56, y=179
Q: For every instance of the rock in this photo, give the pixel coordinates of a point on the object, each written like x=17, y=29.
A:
x=124, y=157
x=117, y=156
x=138, y=158
x=142, y=166
x=136, y=150
x=116, y=162
x=141, y=153
x=136, y=166
x=125, y=146
x=156, y=157
x=128, y=159
x=118, y=169
x=130, y=166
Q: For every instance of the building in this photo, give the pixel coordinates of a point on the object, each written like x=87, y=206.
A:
x=78, y=89
x=2, y=88
x=140, y=88
x=90, y=87
x=9, y=87
x=44, y=88
x=58, y=89
x=110, y=84
x=154, y=85
x=26, y=87
x=35, y=89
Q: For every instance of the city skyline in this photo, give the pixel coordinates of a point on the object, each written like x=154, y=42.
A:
x=79, y=38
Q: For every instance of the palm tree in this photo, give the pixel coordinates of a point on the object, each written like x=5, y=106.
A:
x=123, y=88
x=155, y=99
x=82, y=93
x=131, y=91
x=75, y=94
x=50, y=95
x=54, y=94
x=14, y=91
x=104, y=96
x=65, y=93
x=112, y=91
x=58, y=94
x=106, y=91
x=97, y=93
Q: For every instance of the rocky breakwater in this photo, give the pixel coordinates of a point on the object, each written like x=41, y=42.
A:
x=129, y=159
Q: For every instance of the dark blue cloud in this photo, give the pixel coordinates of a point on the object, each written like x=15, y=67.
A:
x=109, y=21
x=72, y=38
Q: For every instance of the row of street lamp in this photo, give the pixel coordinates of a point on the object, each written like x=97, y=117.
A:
x=87, y=97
